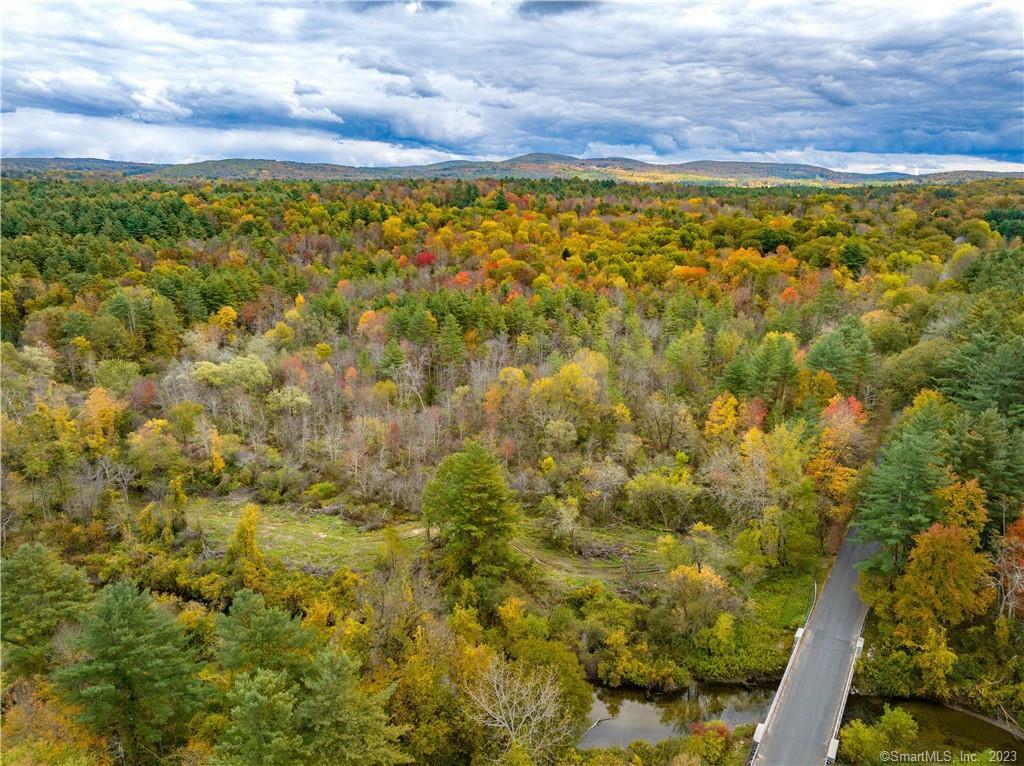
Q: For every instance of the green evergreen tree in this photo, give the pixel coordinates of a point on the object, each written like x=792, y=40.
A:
x=680, y=314
x=470, y=503
x=38, y=593
x=254, y=636
x=1003, y=269
x=277, y=719
x=263, y=730
x=688, y=355
x=854, y=256
x=192, y=304
x=982, y=446
x=392, y=360
x=736, y=375
x=137, y=682
x=828, y=303
x=844, y=353
x=344, y=725
x=465, y=194
x=986, y=371
x=899, y=499
x=772, y=370
x=450, y=345
x=421, y=326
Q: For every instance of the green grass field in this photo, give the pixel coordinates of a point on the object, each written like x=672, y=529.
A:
x=301, y=538
x=298, y=537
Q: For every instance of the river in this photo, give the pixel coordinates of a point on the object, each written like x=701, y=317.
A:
x=627, y=716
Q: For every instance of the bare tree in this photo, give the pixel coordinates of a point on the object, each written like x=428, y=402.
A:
x=668, y=423
x=118, y=473
x=522, y=708
x=1009, y=561
x=741, y=483
x=603, y=482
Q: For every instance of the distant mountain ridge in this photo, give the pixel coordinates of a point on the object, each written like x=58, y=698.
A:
x=537, y=165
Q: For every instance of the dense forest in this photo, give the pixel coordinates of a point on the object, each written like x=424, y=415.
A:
x=385, y=472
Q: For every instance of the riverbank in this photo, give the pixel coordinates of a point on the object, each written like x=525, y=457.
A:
x=1007, y=726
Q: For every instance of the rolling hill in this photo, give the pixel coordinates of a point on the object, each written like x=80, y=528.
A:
x=525, y=166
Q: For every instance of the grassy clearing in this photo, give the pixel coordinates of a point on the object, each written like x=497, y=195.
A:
x=630, y=552
x=298, y=537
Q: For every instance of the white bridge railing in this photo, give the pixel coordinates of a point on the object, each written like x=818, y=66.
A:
x=833, y=746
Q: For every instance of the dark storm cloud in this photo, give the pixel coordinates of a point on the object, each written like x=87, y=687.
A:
x=833, y=84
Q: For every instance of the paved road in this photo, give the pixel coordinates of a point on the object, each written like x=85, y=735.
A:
x=805, y=716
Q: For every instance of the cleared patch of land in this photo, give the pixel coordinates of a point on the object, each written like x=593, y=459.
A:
x=614, y=554
x=300, y=537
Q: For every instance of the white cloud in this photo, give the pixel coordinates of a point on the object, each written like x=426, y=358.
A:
x=854, y=162
x=660, y=81
x=866, y=162
x=124, y=139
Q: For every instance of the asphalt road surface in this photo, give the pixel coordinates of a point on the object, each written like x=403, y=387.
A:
x=814, y=692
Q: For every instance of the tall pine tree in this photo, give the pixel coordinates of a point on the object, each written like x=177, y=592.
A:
x=899, y=499
x=38, y=593
x=470, y=503
x=342, y=723
x=254, y=636
x=277, y=719
x=844, y=353
x=137, y=682
x=263, y=730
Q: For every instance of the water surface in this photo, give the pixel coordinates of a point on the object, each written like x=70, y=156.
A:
x=627, y=716
x=940, y=728
x=632, y=715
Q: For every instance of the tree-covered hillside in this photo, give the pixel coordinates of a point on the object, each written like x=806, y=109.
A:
x=382, y=472
x=536, y=166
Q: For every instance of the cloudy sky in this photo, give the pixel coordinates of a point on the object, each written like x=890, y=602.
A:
x=912, y=86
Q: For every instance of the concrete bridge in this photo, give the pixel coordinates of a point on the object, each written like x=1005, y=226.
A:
x=802, y=725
